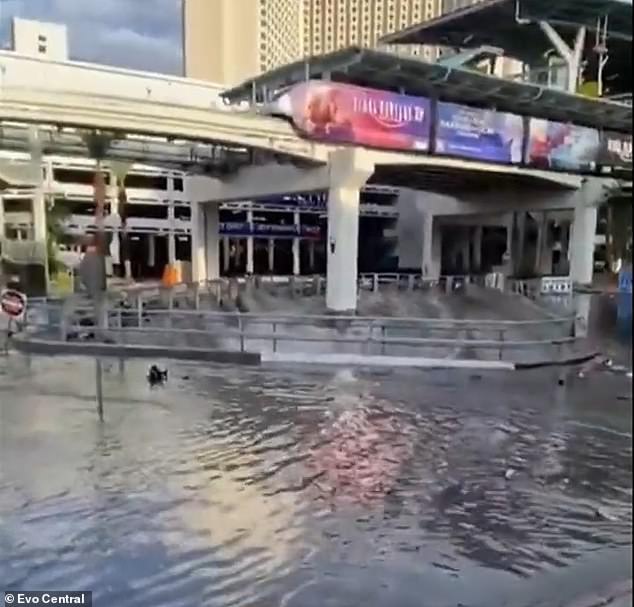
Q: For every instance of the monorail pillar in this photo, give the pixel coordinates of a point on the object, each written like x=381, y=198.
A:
x=2, y=228
x=296, y=245
x=584, y=230
x=205, y=242
x=250, y=243
x=349, y=171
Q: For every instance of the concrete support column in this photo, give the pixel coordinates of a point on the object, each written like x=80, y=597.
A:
x=584, y=229
x=466, y=250
x=171, y=238
x=39, y=215
x=518, y=253
x=2, y=227
x=349, y=170
x=151, y=250
x=238, y=256
x=205, y=242
x=477, y=249
x=432, y=248
x=171, y=248
x=212, y=240
x=249, y=267
x=271, y=251
x=311, y=255
x=115, y=248
x=199, y=258
x=226, y=253
x=542, y=227
x=296, y=252
x=507, y=261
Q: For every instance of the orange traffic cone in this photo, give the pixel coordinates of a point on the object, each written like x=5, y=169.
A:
x=170, y=276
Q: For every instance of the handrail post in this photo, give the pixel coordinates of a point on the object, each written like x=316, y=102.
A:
x=274, y=338
x=99, y=387
x=383, y=339
x=241, y=329
x=139, y=310
x=119, y=324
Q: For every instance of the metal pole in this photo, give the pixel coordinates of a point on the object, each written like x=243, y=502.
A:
x=139, y=310
x=99, y=378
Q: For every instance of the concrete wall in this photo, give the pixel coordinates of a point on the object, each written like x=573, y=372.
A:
x=21, y=71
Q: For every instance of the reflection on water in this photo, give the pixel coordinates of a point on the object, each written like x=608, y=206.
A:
x=236, y=487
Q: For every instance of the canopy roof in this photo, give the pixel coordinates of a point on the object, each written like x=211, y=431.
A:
x=388, y=71
x=513, y=25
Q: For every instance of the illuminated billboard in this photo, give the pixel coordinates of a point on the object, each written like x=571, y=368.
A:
x=344, y=113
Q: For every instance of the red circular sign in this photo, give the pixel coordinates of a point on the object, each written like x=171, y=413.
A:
x=13, y=303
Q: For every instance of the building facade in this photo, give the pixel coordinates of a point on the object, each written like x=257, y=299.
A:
x=39, y=39
x=333, y=24
x=448, y=6
x=229, y=41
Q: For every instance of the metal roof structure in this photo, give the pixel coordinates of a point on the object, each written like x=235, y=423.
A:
x=509, y=15
x=388, y=71
x=513, y=25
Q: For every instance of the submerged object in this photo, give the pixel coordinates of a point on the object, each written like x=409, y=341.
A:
x=156, y=376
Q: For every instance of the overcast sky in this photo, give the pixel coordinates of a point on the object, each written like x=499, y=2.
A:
x=139, y=34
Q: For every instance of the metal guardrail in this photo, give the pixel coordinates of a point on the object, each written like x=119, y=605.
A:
x=372, y=335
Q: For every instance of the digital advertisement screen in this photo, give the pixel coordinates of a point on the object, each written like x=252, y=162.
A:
x=562, y=147
x=480, y=134
x=615, y=150
x=336, y=112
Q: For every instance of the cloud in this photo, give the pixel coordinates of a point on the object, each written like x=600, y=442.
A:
x=139, y=34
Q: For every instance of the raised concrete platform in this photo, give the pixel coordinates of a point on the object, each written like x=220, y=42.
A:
x=359, y=360
x=31, y=345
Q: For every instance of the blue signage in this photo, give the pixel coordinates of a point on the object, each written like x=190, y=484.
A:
x=486, y=135
x=268, y=230
x=309, y=201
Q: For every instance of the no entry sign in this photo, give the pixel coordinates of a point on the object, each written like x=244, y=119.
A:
x=13, y=303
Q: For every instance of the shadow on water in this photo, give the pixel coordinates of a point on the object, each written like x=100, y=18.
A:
x=252, y=487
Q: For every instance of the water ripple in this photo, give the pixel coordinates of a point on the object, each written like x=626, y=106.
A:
x=248, y=488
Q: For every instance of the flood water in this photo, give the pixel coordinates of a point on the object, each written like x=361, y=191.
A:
x=330, y=488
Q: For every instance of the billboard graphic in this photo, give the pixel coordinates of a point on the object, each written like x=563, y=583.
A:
x=615, y=150
x=482, y=134
x=564, y=147
x=345, y=113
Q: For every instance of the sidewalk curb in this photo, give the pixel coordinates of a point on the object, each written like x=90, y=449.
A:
x=568, y=362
